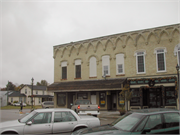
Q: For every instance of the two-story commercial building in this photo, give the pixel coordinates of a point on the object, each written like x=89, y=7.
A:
x=98, y=69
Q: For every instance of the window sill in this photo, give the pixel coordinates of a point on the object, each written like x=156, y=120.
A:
x=93, y=77
x=63, y=79
x=161, y=72
x=77, y=78
x=141, y=73
x=120, y=75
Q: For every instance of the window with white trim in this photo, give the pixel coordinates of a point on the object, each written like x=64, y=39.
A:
x=64, y=70
x=140, y=62
x=119, y=64
x=177, y=52
x=78, y=68
x=178, y=56
x=160, y=60
x=92, y=67
x=105, y=65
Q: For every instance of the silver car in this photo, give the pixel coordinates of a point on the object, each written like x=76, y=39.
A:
x=19, y=104
x=48, y=104
x=48, y=121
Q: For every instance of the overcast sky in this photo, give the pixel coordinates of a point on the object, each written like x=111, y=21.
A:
x=30, y=29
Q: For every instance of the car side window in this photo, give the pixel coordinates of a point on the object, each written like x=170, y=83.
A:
x=154, y=122
x=42, y=118
x=171, y=119
x=141, y=125
x=64, y=117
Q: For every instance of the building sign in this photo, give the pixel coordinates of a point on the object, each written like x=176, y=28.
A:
x=121, y=102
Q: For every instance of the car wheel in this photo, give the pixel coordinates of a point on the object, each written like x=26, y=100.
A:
x=95, y=115
x=78, y=128
x=9, y=133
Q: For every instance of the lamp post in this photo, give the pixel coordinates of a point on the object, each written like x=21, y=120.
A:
x=32, y=94
x=177, y=68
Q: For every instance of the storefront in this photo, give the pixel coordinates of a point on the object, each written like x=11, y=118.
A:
x=103, y=92
x=159, y=92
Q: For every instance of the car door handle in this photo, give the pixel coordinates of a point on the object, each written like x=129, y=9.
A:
x=48, y=125
x=71, y=123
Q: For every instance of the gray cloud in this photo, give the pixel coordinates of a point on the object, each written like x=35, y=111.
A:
x=31, y=29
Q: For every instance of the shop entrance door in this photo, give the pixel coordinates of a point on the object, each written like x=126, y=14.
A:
x=155, y=99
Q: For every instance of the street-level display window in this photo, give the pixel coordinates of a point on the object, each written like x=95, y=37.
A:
x=121, y=100
x=61, y=99
x=82, y=95
x=102, y=98
x=135, y=100
x=170, y=99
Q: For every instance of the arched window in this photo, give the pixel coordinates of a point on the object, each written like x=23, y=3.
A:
x=177, y=52
x=92, y=67
x=140, y=61
x=105, y=65
x=64, y=69
x=120, y=64
x=161, y=59
x=78, y=68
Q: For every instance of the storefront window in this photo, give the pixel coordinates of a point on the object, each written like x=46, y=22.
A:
x=82, y=96
x=170, y=99
x=102, y=98
x=121, y=100
x=135, y=100
x=61, y=99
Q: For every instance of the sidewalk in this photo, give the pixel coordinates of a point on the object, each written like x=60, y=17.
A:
x=109, y=114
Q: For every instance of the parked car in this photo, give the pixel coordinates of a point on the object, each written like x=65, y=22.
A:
x=18, y=104
x=145, y=121
x=84, y=106
x=48, y=121
x=48, y=104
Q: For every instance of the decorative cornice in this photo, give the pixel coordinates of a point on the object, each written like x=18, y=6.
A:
x=123, y=37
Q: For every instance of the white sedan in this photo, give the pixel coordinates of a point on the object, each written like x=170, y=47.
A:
x=49, y=121
x=18, y=104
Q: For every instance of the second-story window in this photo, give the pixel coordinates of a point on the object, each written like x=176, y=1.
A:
x=36, y=92
x=161, y=60
x=25, y=91
x=178, y=55
x=64, y=70
x=120, y=64
x=78, y=68
x=92, y=67
x=105, y=65
x=140, y=62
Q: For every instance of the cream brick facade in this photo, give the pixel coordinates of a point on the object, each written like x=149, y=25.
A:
x=127, y=43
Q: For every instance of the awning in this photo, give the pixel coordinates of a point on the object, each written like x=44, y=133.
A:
x=41, y=96
x=88, y=85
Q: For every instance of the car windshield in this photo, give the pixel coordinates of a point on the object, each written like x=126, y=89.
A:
x=127, y=122
x=27, y=117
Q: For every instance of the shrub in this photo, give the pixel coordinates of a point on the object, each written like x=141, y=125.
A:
x=15, y=102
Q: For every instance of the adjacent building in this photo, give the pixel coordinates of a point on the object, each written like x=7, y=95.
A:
x=99, y=68
x=40, y=94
